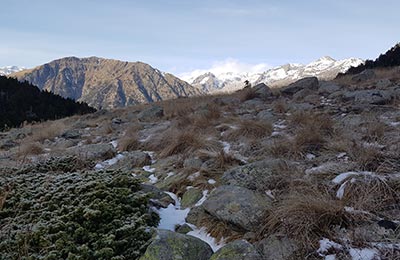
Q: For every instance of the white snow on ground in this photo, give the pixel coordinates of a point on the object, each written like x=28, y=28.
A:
x=341, y=177
x=114, y=143
x=363, y=253
x=226, y=146
x=330, y=257
x=148, y=168
x=193, y=176
x=212, y=181
x=109, y=162
x=235, y=154
x=153, y=179
x=326, y=244
x=173, y=215
x=340, y=192
x=201, y=201
x=310, y=156
x=169, y=175
x=203, y=235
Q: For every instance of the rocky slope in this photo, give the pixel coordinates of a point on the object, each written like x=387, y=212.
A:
x=105, y=83
x=310, y=171
x=324, y=68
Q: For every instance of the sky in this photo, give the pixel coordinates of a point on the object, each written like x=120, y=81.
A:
x=179, y=36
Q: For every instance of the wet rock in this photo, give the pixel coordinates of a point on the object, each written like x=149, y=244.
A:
x=168, y=245
x=238, y=206
x=237, y=250
x=278, y=248
x=310, y=83
x=153, y=112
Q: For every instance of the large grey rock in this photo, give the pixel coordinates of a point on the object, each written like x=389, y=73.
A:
x=373, y=97
x=71, y=134
x=364, y=76
x=328, y=88
x=237, y=250
x=383, y=83
x=190, y=197
x=93, y=151
x=262, y=90
x=255, y=176
x=237, y=205
x=310, y=83
x=278, y=248
x=132, y=160
x=168, y=245
x=150, y=113
x=192, y=163
x=266, y=115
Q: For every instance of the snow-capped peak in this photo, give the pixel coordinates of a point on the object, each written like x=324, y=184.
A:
x=4, y=71
x=220, y=78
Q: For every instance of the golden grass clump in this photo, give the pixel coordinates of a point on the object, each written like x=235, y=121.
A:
x=306, y=217
x=250, y=129
x=30, y=148
x=321, y=122
x=48, y=130
x=130, y=140
x=280, y=106
x=247, y=94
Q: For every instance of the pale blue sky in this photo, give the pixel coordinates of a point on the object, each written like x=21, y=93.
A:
x=181, y=35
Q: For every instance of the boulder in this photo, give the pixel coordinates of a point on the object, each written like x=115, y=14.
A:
x=168, y=245
x=190, y=197
x=184, y=229
x=237, y=205
x=278, y=248
x=364, y=76
x=237, y=250
x=132, y=160
x=262, y=90
x=256, y=175
x=150, y=113
x=383, y=83
x=328, y=88
x=310, y=83
x=93, y=151
x=71, y=134
x=266, y=115
x=373, y=97
x=192, y=163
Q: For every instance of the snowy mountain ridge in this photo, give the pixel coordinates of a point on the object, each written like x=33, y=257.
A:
x=4, y=71
x=325, y=68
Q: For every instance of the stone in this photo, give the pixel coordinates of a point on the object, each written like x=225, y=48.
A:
x=168, y=245
x=300, y=106
x=364, y=76
x=132, y=160
x=150, y=113
x=373, y=97
x=310, y=83
x=262, y=90
x=184, y=229
x=277, y=247
x=328, y=88
x=254, y=175
x=239, y=206
x=237, y=250
x=266, y=115
x=71, y=134
x=93, y=151
x=192, y=163
x=300, y=95
x=195, y=215
x=383, y=83
x=190, y=197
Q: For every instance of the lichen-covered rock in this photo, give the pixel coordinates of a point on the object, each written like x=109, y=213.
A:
x=184, y=229
x=190, y=197
x=93, y=151
x=168, y=245
x=237, y=250
x=278, y=248
x=237, y=205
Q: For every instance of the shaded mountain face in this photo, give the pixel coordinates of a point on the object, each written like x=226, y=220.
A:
x=324, y=68
x=105, y=83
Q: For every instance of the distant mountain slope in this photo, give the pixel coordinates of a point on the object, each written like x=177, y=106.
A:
x=21, y=102
x=390, y=59
x=324, y=68
x=4, y=71
x=105, y=83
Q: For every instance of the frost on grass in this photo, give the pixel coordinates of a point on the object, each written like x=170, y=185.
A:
x=87, y=215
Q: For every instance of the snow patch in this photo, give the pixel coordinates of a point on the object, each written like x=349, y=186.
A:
x=326, y=244
x=148, y=168
x=153, y=179
x=201, y=201
x=202, y=234
x=363, y=253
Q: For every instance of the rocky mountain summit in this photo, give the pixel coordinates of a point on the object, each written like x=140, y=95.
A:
x=325, y=68
x=310, y=170
x=105, y=83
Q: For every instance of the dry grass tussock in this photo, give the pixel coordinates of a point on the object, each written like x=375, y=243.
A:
x=249, y=129
x=3, y=197
x=181, y=141
x=130, y=140
x=372, y=193
x=306, y=217
x=280, y=106
x=247, y=94
x=47, y=130
x=29, y=148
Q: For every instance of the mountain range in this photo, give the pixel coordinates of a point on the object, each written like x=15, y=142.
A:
x=106, y=83
x=325, y=68
x=4, y=71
